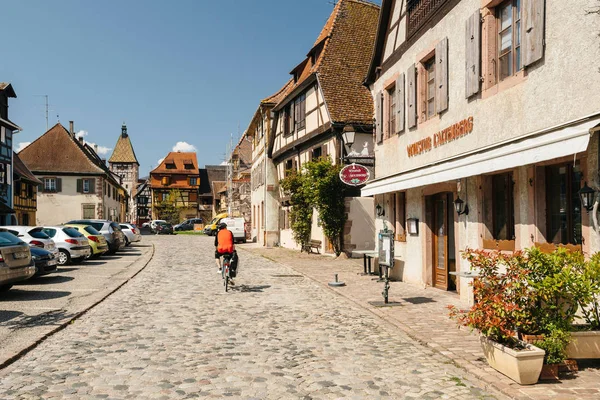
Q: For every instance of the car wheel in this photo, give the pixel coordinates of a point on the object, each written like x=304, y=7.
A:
x=127, y=242
x=5, y=288
x=63, y=257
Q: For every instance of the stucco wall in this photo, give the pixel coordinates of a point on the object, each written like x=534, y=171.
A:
x=58, y=208
x=560, y=88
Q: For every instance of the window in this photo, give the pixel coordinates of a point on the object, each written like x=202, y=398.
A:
x=166, y=180
x=301, y=112
x=89, y=211
x=316, y=153
x=290, y=165
x=49, y=184
x=391, y=111
x=503, y=210
x=86, y=186
x=509, y=38
x=429, y=88
x=170, y=164
x=115, y=193
x=30, y=191
x=3, y=173
x=563, y=206
x=193, y=181
x=288, y=119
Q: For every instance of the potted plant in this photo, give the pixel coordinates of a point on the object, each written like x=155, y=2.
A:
x=554, y=344
x=585, y=334
x=503, y=301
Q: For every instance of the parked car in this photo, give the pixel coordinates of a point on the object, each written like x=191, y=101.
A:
x=72, y=245
x=110, y=230
x=15, y=260
x=237, y=226
x=132, y=233
x=96, y=240
x=164, y=228
x=154, y=222
x=34, y=236
x=211, y=228
x=188, y=224
x=45, y=262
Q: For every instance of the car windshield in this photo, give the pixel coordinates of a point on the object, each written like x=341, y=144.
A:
x=8, y=239
x=214, y=221
x=72, y=232
x=38, y=233
x=50, y=232
x=91, y=230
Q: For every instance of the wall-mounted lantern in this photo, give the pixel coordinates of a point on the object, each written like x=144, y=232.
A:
x=379, y=210
x=587, y=195
x=461, y=207
x=412, y=226
x=348, y=135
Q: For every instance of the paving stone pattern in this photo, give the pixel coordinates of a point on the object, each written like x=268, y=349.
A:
x=173, y=333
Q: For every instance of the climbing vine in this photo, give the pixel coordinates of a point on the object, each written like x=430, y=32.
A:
x=294, y=185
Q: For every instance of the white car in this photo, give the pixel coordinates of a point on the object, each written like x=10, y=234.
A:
x=72, y=245
x=132, y=233
x=34, y=236
x=155, y=222
x=237, y=226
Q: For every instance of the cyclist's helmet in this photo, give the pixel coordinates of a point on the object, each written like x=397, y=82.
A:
x=222, y=225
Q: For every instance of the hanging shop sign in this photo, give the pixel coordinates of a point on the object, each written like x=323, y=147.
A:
x=441, y=138
x=355, y=175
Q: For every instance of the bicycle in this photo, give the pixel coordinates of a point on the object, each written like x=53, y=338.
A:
x=225, y=271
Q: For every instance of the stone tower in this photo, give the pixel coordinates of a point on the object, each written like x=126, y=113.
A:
x=124, y=163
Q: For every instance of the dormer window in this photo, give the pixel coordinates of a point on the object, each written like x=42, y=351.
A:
x=188, y=164
x=170, y=164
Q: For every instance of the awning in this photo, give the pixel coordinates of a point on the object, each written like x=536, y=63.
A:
x=531, y=149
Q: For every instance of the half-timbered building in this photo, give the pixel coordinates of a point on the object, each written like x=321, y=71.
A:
x=25, y=186
x=488, y=108
x=7, y=129
x=325, y=96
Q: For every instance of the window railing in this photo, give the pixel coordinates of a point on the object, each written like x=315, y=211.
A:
x=419, y=12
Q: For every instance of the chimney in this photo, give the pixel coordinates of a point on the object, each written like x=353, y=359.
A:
x=80, y=139
x=71, y=129
x=96, y=148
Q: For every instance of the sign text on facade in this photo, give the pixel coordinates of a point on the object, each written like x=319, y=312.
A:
x=442, y=137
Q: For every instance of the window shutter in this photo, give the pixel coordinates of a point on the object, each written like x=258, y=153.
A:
x=324, y=151
x=400, y=103
x=533, y=31
x=58, y=185
x=411, y=87
x=441, y=75
x=473, y=54
x=92, y=185
x=79, y=185
x=378, y=119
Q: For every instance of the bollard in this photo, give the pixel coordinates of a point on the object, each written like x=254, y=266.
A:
x=336, y=283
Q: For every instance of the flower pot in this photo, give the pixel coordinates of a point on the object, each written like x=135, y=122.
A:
x=522, y=366
x=549, y=372
x=584, y=344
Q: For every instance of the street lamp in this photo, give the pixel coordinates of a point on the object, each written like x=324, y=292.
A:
x=461, y=207
x=587, y=195
x=348, y=135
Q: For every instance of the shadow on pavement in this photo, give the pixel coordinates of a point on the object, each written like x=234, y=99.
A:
x=250, y=289
x=94, y=263
x=32, y=295
x=47, y=318
x=45, y=280
x=67, y=269
x=8, y=315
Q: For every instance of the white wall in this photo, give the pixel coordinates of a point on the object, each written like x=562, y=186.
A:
x=58, y=208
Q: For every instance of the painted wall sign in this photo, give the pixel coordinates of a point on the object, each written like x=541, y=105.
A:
x=354, y=174
x=441, y=138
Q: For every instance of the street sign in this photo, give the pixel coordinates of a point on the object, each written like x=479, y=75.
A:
x=354, y=174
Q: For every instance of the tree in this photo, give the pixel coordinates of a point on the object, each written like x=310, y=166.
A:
x=319, y=187
x=168, y=209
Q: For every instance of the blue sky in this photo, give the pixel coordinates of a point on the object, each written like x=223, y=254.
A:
x=175, y=71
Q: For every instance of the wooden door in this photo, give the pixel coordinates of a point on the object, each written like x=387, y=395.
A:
x=440, y=241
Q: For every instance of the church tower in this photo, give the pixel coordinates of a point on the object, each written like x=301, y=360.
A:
x=124, y=163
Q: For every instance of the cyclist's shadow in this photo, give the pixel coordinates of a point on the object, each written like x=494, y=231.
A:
x=250, y=288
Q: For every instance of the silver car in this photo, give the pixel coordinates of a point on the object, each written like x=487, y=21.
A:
x=132, y=234
x=15, y=260
x=110, y=230
x=33, y=236
x=72, y=245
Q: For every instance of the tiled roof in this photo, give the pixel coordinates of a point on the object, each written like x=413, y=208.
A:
x=57, y=151
x=123, y=152
x=219, y=187
x=281, y=93
x=22, y=172
x=179, y=159
x=347, y=41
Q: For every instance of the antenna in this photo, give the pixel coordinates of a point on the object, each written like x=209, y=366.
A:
x=47, y=108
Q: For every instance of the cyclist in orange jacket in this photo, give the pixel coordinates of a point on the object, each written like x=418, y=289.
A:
x=223, y=243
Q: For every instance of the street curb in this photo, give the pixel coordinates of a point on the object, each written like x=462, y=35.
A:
x=486, y=382
x=72, y=319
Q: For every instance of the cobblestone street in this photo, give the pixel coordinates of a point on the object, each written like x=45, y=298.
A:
x=173, y=332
